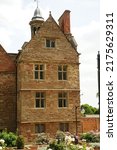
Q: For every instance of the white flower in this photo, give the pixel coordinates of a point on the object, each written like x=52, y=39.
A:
x=83, y=140
x=49, y=149
x=72, y=139
x=2, y=141
x=89, y=148
x=80, y=146
x=0, y=147
x=69, y=139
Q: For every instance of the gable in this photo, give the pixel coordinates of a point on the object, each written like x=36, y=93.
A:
x=6, y=63
x=36, y=49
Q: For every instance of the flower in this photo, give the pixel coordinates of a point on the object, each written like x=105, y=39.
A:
x=2, y=141
x=83, y=140
x=80, y=146
x=0, y=147
x=89, y=148
x=69, y=139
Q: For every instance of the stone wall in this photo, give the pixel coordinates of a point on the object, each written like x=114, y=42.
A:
x=36, y=52
x=28, y=130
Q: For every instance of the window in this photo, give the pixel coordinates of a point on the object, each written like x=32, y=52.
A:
x=50, y=43
x=39, y=71
x=39, y=128
x=35, y=30
x=62, y=99
x=40, y=100
x=64, y=127
x=62, y=72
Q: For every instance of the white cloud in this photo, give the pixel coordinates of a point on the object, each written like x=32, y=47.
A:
x=4, y=38
x=14, y=23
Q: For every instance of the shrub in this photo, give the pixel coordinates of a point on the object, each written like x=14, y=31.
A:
x=42, y=139
x=72, y=147
x=57, y=146
x=60, y=136
x=9, y=138
x=20, y=142
x=91, y=137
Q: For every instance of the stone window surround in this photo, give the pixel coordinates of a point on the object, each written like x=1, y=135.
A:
x=62, y=99
x=62, y=72
x=57, y=100
x=44, y=72
x=40, y=128
x=40, y=100
x=50, y=43
x=63, y=126
x=39, y=73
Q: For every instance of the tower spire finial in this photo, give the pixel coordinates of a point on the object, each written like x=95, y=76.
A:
x=37, y=2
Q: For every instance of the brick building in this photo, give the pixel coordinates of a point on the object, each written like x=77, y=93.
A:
x=39, y=86
x=7, y=91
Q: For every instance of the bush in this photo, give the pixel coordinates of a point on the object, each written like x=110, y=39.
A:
x=91, y=137
x=57, y=146
x=60, y=136
x=20, y=142
x=72, y=147
x=42, y=139
x=9, y=138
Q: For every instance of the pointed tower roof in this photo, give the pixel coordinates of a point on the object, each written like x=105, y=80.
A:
x=37, y=15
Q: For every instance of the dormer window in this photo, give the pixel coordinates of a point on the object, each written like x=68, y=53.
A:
x=50, y=43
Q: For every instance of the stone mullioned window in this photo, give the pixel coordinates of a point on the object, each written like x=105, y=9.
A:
x=39, y=128
x=39, y=71
x=62, y=99
x=64, y=127
x=62, y=72
x=40, y=100
x=50, y=43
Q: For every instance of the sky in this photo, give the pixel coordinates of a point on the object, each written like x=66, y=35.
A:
x=15, y=16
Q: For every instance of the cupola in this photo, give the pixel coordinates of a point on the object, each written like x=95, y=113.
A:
x=37, y=15
x=36, y=21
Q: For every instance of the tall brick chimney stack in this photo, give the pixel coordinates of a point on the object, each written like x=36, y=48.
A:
x=64, y=22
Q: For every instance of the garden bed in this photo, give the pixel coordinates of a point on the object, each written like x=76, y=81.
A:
x=62, y=141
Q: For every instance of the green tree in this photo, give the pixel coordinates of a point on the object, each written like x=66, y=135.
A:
x=89, y=109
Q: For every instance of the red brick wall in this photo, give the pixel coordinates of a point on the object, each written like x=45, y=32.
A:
x=90, y=123
x=7, y=92
x=6, y=63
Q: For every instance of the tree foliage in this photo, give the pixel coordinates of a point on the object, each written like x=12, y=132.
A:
x=89, y=109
